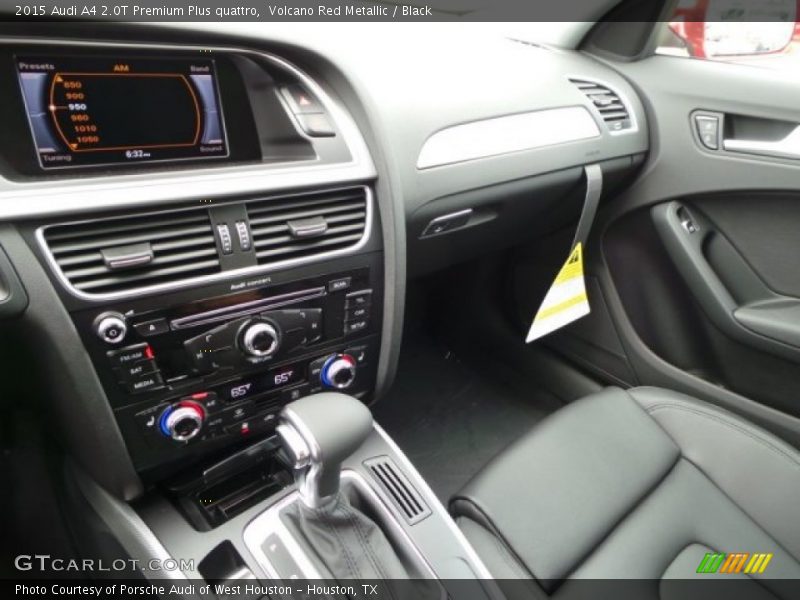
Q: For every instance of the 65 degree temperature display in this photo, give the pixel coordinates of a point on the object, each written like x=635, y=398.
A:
x=92, y=112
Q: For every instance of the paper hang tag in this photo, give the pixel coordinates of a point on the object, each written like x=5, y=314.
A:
x=566, y=300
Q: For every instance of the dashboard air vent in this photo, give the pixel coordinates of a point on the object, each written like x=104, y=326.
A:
x=403, y=495
x=608, y=103
x=123, y=254
x=305, y=225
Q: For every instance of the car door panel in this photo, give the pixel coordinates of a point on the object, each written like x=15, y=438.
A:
x=716, y=313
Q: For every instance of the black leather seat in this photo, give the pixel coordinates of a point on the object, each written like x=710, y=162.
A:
x=636, y=484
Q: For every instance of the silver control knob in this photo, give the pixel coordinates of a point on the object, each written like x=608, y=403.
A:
x=111, y=327
x=259, y=339
x=183, y=422
x=339, y=371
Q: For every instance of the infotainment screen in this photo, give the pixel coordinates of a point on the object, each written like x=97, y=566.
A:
x=87, y=111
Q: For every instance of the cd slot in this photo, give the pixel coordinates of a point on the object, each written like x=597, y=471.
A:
x=247, y=308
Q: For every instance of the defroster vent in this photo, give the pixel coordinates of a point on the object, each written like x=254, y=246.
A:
x=406, y=499
x=134, y=252
x=608, y=103
x=307, y=225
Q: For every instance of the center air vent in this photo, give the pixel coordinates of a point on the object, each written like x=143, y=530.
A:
x=608, y=103
x=301, y=226
x=119, y=255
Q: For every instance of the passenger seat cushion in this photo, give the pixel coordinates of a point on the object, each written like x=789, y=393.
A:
x=758, y=471
x=636, y=484
x=554, y=494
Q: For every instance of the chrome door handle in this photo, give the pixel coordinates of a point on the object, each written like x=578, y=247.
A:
x=788, y=147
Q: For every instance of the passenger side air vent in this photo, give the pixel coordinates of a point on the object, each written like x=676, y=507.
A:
x=130, y=253
x=307, y=225
x=608, y=103
x=403, y=495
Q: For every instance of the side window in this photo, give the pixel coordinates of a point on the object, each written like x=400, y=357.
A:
x=762, y=33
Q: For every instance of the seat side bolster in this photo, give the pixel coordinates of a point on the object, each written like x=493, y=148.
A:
x=754, y=468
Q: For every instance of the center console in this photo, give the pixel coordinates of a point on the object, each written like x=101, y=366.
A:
x=184, y=378
x=196, y=369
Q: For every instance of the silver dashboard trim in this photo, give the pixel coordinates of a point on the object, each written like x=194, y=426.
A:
x=204, y=279
x=507, y=134
x=64, y=195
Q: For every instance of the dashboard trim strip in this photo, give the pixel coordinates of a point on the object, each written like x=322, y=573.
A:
x=507, y=134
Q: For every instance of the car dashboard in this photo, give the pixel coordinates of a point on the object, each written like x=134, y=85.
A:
x=242, y=236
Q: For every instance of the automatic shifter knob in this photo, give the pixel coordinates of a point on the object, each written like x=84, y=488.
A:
x=319, y=432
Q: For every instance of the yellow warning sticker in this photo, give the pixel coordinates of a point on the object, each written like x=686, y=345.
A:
x=565, y=301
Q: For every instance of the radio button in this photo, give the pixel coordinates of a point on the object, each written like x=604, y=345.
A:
x=133, y=371
x=359, y=353
x=313, y=324
x=295, y=393
x=355, y=299
x=339, y=285
x=148, y=419
x=294, y=339
x=209, y=400
x=145, y=383
x=315, y=368
x=111, y=327
x=130, y=354
x=355, y=326
x=242, y=428
x=263, y=421
x=259, y=339
x=154, y=327
x=237, y=413
x=356, y=314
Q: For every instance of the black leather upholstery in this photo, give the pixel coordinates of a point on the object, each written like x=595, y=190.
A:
x=636, y=484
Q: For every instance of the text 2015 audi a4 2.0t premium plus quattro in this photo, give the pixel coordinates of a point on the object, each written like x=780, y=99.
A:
x=485, y=311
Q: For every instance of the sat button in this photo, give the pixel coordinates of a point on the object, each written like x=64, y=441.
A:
x=132, y=371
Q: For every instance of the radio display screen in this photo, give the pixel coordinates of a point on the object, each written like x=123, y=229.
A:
x=87, y=111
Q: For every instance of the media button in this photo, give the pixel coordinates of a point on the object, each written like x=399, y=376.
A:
x=145, y=383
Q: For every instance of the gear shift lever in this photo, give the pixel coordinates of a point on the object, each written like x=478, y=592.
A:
x=319, y=432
